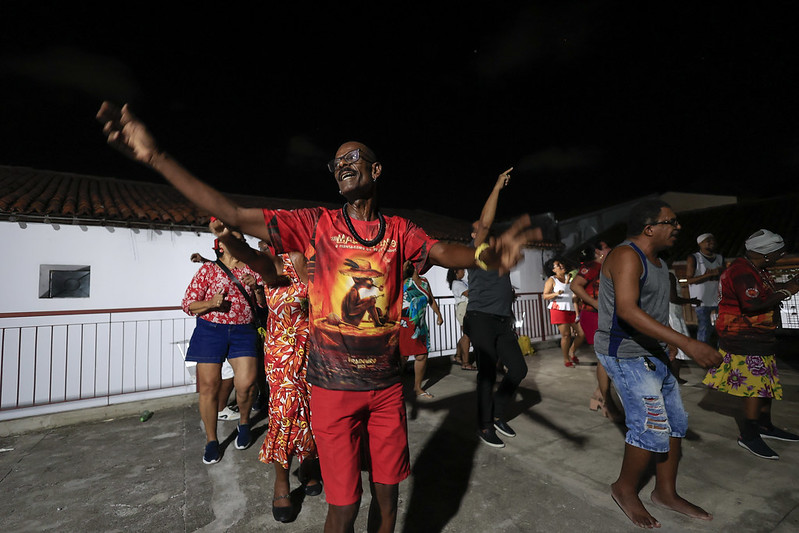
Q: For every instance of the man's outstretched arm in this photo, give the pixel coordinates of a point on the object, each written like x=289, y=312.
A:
x=129, y=135
x=502, y=252
x=261, y=262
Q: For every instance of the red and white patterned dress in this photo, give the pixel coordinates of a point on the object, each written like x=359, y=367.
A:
x=289, y=432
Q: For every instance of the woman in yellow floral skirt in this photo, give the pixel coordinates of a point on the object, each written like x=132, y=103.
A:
x=747, y=322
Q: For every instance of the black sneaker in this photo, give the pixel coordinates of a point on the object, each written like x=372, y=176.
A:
x=243, y=438
x=489, y=436
x=504, y=428
x=211, y=454
x=777, y=433
x=758, y=447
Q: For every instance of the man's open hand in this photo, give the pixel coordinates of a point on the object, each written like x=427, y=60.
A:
x=126, y=133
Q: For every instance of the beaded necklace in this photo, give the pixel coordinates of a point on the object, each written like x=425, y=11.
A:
x=381, y=231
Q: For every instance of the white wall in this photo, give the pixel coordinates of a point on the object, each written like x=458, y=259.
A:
x=129, y=267
x=73, y=361
x=141, y=267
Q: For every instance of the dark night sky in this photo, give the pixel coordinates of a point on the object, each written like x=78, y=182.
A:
x=591, y=102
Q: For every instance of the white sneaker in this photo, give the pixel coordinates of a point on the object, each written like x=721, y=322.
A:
x=228, y=414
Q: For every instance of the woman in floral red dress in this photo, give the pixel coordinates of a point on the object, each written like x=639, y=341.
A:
x=289, y=432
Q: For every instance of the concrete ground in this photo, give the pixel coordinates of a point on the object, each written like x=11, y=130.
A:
x=120, y=474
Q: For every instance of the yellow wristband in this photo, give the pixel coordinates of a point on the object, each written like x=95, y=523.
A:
x=479, y=250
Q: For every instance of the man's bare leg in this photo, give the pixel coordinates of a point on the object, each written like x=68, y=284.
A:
x=341, y=518
x=383, y=509
x=665, y=493
x=610, y=409
x=625, y=490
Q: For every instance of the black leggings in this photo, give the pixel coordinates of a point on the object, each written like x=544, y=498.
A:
x=494, y=341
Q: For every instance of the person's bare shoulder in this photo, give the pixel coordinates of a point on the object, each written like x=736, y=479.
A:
x=621, y=257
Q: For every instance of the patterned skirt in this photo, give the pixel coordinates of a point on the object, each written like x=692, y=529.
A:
x=289, y=432
x=746, y=375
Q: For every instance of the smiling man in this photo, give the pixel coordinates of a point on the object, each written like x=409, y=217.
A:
x=631, y=343
x=353, y=364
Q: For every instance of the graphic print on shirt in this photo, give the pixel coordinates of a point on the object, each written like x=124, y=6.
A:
x=354, y=293
x=355, y=308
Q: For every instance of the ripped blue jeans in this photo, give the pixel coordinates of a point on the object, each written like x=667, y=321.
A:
x=651, y=397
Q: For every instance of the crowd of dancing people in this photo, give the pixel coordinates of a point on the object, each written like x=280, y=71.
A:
x=345, y=304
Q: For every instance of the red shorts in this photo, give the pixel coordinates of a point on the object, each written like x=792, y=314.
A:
x=556, y=316
x=342, y=421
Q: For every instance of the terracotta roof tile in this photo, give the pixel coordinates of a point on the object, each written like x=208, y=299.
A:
x=31, y=194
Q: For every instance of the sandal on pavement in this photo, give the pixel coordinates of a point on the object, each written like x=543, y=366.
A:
x=424, y=396
x=469, y=367
x=282, y=514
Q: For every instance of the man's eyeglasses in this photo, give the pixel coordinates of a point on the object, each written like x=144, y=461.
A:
x=671, y=222
x=350, y=157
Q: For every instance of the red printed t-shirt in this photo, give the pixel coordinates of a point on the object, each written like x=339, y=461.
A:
x=590, y=271
x=742, y=287
x=208, y=281
x=351, y=287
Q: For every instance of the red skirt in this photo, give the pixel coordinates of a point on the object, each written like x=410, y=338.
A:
x=589, y=320
x=407, y=344
x=556, y=316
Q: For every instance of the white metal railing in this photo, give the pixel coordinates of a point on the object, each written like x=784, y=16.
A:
x=60, y=361
x=529, y=309
x=789, y=311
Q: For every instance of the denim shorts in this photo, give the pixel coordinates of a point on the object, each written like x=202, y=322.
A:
x=652, y=403
x=213, y=343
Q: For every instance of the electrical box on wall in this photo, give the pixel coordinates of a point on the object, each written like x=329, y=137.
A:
x=64, y=281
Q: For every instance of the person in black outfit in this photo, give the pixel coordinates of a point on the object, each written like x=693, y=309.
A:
x=489, y=324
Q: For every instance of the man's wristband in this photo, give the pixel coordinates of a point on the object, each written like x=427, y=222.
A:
x=479, y=250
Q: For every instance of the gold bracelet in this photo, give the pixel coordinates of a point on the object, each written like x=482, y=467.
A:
x=479, y=250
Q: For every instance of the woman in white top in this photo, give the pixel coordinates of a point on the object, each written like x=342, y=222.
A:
x=460, y=290
x=562, y=311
